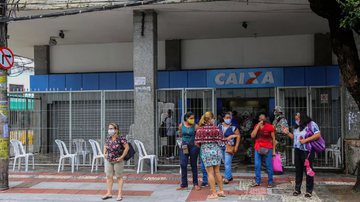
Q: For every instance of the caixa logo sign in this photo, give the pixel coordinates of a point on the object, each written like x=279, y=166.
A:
x=245, y=78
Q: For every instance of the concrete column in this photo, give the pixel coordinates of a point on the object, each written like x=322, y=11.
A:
x=322, y=49
x=145, y=67
x=42, y=59
x=173, y=54
x=42, y=66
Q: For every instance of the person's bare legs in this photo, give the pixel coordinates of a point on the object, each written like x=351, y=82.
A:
x=219, y=180
x=121, y=183
x=109, y=185
x=211, y=179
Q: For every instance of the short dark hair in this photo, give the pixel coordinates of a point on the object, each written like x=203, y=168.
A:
x=187, y=115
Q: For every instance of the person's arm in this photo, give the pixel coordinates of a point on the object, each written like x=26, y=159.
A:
x=196, y=126
x=286, y=131
x=254, y=132
x=311, y=138
x=274, y=142
x=126, y=150
x=180, y=131
x=105, y=151
x=238, y=137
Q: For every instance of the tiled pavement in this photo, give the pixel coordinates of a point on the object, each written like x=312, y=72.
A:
x=45, y=186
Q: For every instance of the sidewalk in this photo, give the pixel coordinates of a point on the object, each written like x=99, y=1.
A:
x=85, y=186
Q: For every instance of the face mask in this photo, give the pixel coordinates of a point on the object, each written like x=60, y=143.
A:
x=213, y=121
x=227, y=121
x=111, y=132
x=297, y=123
x=190, y=121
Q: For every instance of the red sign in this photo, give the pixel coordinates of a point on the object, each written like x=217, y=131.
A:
x=6, y=58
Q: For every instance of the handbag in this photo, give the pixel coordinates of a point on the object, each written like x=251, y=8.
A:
x=130, y=153
x=263, y=151
x=277, y=164
x=317, y=145
x=230, y=149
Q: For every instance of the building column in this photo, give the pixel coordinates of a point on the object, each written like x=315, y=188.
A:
x=42, y=67
x=145, y=68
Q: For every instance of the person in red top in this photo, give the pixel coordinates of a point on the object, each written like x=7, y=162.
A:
x=264, y=135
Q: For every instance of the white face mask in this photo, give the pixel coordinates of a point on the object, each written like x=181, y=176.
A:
x=297, y=122
x=111, y=132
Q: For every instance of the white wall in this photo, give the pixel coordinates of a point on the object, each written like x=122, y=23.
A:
x=96, y=57
x=296, y=50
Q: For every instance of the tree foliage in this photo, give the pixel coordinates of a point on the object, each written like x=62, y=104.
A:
x=350, y=14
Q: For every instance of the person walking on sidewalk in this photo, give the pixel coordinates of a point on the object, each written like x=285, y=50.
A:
x=232, y=135
x=303, y=123
x=209, y=138
x=188, y=150
x=115, y=150
x=264, y=136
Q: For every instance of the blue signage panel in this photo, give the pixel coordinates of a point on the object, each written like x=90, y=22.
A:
x=245, y=78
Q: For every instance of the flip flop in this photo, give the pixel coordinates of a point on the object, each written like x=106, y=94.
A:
x=119, y=198
x=212, y=196
x=106, y=197
x=221, y=194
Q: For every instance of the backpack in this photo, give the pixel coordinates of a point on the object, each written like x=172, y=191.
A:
x=162, y=129
x=317, y=145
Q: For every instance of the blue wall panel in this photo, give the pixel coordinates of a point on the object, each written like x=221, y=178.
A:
x=73, y=81
x=163, y=80
x=315, y=76
x=197, y=79
x=333, y=76
x=294, y=76
x=39, y=82
x=90, y=81
x=107, y=81
x=125, y=80
x=178, y=79
x=57, y=82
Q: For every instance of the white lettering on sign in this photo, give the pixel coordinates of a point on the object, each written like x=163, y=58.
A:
x=252, y=78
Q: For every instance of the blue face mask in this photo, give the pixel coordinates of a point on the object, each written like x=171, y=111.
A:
x=227, y=121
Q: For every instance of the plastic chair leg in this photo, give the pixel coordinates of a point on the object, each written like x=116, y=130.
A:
x=72, y=164
x=138, y=168
x=152, y=165
x=33, y=161
x=59, y=165
x=92, y=165
x=26, y=163
x=14, y=164
x=19, y=164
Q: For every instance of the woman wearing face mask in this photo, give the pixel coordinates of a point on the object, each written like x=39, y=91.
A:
x=209, y=137
x=188, y=150
x=264, y=135
x=115, y=149
x=303, y=123
x=232, y=135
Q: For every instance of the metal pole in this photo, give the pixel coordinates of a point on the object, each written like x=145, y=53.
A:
x=4, y=111
x=70, y=122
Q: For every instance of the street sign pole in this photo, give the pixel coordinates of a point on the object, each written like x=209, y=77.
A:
x=4, y=111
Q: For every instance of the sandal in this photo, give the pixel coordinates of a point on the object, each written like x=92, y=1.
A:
x=254, y=184
x=212, y=196
x=296, y=193
x=308, y=195
x=221, y=194
x=181, y=188
x=270, y=186
x=119, y=198
x=197, y=188
x=106, y=197
x=226, y=181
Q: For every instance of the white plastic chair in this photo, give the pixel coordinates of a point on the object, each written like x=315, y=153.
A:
x=20, y=153
x=143, y=155
x=97, y=154
x=81, y=149
x=334, y=152
x=64, y=153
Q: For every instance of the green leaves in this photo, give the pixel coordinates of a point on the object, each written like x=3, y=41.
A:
x=350, y=14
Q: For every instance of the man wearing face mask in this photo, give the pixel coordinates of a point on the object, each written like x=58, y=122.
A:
x=232, y=135
x=281, y=140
